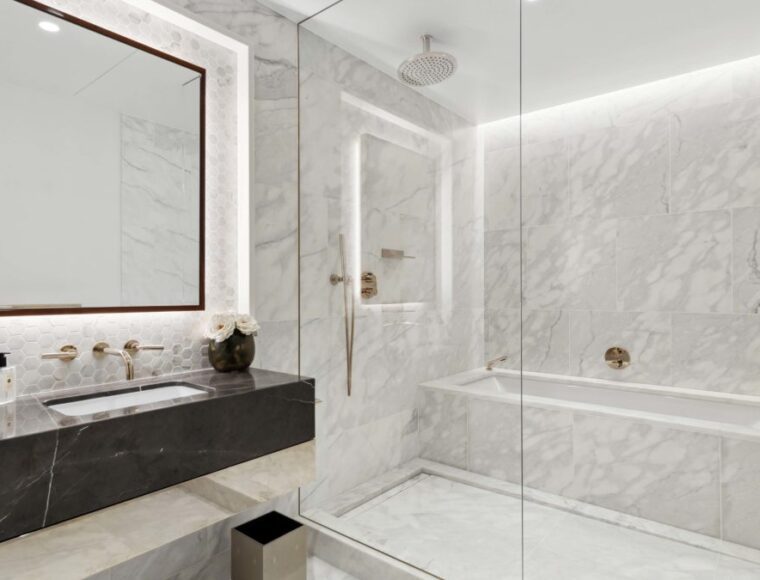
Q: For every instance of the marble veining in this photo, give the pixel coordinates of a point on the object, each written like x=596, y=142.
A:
x=648, y=237
x=176, y=533
x=740, y=478
x=398, y=212
x=351, y=110
x=408, y=522
x=621, y=171
x=81, y=464
x=160, y=209
x=675, y=263
x=661, y=474
x=670, y=472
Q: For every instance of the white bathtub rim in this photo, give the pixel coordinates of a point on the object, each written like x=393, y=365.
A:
x=457, y=384
x=461, y=379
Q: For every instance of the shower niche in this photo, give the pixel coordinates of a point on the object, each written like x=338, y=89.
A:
x=398, y=216
x=396, y=182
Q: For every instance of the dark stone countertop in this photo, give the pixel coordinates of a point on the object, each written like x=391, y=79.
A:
x=56, y=467
x=29, y=415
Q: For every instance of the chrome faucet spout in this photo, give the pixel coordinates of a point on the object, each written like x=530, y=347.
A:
x=499, y=359
x=103, y=348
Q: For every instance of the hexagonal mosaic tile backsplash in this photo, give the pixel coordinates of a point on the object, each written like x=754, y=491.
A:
x=26, y=338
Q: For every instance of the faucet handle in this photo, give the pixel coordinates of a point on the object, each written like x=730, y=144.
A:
x=67, y=352
x=133, y=346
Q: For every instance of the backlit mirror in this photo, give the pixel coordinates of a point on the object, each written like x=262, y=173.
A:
x=101, y=170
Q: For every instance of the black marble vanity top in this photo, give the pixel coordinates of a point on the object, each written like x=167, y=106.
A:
x=55, y=467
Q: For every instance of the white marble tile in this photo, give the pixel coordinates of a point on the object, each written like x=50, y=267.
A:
x=438, y=524
x=545, y=182
x=494, y=440
x=350, y=457
x=740, y=467
x=503, y=336
x=716, y=353
x=650, y=471
x=514, y=444
x=569, y=265
x=502, y=269
x=746, y=267
x=547, y=449
x=443, y=427
x=355, y=558
x=545, y=341
x=581, y=548
x=502, y=189
x=675, y=263
x=714, y=152
x=646, y=335
x=620, y=171
x=346, y=102
x=541, y=338
x=446, y=542
x=159, y=211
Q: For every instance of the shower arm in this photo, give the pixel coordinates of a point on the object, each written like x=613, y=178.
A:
x=349, y=313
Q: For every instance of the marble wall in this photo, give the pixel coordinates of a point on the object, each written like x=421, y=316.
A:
x=396, y=346
x=28, y=337
x=672, y=474
x=159, y=203
x=640, y=219
x=274, y=228
x=398, y=212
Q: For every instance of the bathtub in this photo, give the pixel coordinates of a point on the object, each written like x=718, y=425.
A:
x=706, y=411
x=686, y=458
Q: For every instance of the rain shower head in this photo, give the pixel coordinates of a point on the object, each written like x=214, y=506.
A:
x=427, y=67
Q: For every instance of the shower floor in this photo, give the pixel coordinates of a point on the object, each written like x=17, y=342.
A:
x=462, y=532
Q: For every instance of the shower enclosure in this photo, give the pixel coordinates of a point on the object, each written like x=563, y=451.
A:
x=529, y=284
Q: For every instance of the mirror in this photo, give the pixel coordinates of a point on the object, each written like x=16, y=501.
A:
x=101, y=178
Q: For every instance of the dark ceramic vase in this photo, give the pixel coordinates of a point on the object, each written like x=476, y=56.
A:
x=234, y=354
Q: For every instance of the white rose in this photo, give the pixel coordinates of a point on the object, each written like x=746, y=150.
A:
x=220, y=327
x=246, y=324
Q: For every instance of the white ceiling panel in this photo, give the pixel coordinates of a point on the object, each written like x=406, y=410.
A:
x=565, y=50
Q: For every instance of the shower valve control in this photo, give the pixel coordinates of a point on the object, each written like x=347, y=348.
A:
x=617, y=357
x=369, y=285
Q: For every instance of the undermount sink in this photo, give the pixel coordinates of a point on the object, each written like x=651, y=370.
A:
x=122, y=399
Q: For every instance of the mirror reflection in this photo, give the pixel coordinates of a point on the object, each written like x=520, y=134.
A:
x=101, y=180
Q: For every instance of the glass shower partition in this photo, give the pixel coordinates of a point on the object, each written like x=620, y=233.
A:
x=394, y=227
x=639, y=222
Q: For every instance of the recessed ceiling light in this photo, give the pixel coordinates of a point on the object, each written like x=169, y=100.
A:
x=48, y=26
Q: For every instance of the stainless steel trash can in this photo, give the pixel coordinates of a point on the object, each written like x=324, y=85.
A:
x=272, y=547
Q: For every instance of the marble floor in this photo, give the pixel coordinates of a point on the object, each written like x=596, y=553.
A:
x=462, y=532
x=320, y=570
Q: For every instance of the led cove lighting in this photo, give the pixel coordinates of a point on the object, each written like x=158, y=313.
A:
x=48, y=26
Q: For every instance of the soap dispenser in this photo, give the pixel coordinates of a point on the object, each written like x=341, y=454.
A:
x=7, y=380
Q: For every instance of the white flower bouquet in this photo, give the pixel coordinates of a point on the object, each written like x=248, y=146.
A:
x=231, y=346
x=220, y=327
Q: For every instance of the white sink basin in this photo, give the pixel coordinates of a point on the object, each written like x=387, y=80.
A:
x=114, y=401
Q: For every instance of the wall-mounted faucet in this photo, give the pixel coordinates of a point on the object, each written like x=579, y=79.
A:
x=103, y=348
x=490, y=364
x=133, y=347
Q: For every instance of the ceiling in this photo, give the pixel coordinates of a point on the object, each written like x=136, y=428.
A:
x=82, y=63
x=570, y=49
